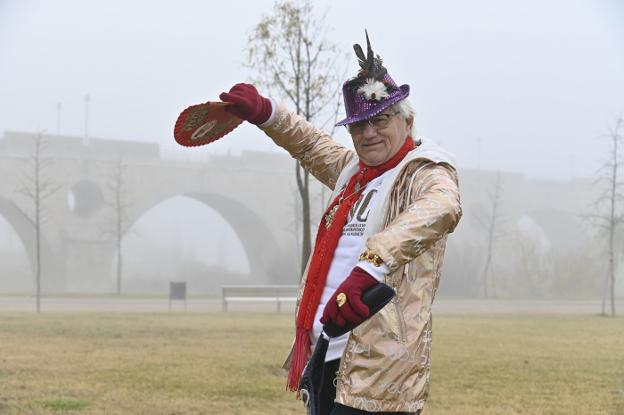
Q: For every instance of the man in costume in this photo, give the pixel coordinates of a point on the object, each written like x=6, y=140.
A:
x=395, y=199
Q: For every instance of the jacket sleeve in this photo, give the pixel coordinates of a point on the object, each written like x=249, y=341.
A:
x=315, y=150
x=434, y=212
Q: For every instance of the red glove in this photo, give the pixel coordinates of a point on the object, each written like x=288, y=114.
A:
x=248, y=105
x=354, y=310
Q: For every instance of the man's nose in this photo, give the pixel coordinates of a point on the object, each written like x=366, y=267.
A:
x=369, y=130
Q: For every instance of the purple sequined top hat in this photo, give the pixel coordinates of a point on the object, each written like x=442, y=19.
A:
x=372, y=90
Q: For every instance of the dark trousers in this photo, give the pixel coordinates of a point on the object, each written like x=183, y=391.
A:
x=328, y=395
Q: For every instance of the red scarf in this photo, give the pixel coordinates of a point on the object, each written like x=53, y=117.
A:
x=327, y=237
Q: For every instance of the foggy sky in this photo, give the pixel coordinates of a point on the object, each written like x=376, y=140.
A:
x=537, y=81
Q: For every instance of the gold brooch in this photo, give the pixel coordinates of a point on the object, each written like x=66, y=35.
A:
x=341, y=299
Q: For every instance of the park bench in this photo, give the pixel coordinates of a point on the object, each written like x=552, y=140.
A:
x=251, y=293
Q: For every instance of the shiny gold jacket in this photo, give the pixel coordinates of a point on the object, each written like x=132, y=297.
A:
x=385, y=366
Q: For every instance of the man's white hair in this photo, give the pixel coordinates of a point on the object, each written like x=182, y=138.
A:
x=405, y=111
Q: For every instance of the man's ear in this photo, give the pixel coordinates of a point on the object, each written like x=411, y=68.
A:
x=410, y=122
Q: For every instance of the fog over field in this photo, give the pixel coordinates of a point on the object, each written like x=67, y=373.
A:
x=522, y=93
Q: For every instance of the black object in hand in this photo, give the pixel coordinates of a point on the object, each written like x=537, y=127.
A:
x=375, y=298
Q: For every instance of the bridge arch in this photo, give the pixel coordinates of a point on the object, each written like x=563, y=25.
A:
x=565, y=230
x=257, y=239
x=25, y=230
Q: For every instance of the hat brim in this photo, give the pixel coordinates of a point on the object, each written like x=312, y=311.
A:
x=376, y=109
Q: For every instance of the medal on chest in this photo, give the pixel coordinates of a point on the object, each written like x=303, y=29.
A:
x=329, y=217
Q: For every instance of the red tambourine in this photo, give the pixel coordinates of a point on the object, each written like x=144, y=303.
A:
x=204, y=123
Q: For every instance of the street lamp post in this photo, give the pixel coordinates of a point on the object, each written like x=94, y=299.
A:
x=59, y=107
x=86, y=133
x=479, y=139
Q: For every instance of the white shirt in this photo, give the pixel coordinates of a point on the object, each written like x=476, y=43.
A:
x=350, y=245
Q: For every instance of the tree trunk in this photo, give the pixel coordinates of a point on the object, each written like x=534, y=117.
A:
x=38, y=220
x=605, y=293
x=612, y=287
x=120, y=211
x=119, y=265
x=38, y=248
x=491, y=231
x=485, y=274
x=608, y=293
x=612, y=226
x=306, y=243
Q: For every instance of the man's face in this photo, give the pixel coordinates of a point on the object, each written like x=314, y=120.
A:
x=380, y=137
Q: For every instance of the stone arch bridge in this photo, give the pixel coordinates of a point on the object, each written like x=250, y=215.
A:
x=77, y=214
x=78, y=249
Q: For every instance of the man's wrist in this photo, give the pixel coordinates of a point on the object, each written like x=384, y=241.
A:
x=269, y=121
x=379, y=273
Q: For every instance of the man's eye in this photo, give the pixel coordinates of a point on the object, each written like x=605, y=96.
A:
x=377, y=120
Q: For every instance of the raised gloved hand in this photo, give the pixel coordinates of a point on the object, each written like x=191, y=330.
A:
x=248, y=104
x=353, y=310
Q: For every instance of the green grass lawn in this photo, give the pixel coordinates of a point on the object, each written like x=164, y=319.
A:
x=229, y=364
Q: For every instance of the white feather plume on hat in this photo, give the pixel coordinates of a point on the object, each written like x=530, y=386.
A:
x=373, y=89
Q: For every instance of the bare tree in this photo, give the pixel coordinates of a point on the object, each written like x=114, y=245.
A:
x=37, y=190
x=490, y=224
x=290, y=56
x=608, y=221
x=531, y=260
x=119, y=226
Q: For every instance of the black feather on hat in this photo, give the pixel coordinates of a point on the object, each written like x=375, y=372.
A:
x=370, y=78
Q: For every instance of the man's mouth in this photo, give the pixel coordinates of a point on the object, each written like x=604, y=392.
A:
x=372, y=143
